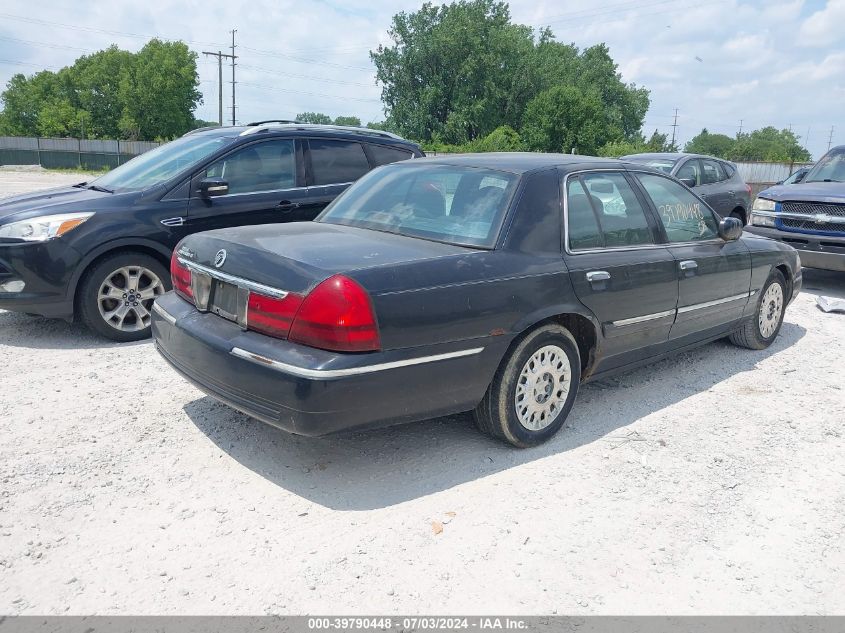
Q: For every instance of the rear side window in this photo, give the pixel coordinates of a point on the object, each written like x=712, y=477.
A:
x=337, y=162
x=711, y=172
x=617, y=213
x=683, y=215
x=382, y=155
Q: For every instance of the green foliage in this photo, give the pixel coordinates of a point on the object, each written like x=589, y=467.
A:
x=766, y=144
x=657, y=143
x=502, y=139
x=109, y=94
x=353, y=121
x=769, y=144
x=719, y=145
x=457, y=72
x=314, y=117
x=564, y=119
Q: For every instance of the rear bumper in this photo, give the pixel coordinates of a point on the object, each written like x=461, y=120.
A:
x=315, y=392
x=816, y=251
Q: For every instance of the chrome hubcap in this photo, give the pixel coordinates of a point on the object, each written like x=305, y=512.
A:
x=126, y=297
x=542, y=387
x=770, y=310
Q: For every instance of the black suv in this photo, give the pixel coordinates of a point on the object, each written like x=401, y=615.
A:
x=100, y=250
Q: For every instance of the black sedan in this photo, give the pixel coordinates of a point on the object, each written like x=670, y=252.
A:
x=495, y=283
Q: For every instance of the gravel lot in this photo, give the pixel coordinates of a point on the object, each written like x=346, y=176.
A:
x=710, y=483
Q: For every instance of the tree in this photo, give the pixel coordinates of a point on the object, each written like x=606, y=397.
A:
x=352, y=121
x=719, y=145
x=161, y=91
x=109, y=94
x=454, y=73
x=564, y=119
x=314, y=117
x=769, y=144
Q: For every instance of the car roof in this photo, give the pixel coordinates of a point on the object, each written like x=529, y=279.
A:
x=256, y=130
x=523, y=162
x=671, y=156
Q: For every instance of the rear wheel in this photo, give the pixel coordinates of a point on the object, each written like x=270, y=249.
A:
x=533, y=389
x=739, y=215
x=760, y=331
x=116, y=296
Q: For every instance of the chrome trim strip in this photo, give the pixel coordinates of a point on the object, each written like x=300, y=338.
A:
x=818, y=218
x=708, y=304
x=323, y=374
x=640, y=319
x=237, y=281
x=639, y=247
x=164, y=314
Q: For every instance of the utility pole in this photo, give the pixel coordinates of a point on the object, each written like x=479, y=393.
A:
x=219, y=55
x=674, y=127
x=830, y=138
x=740, y=128
x=233, y=57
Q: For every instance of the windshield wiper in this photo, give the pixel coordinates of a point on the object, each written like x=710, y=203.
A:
x=80, y=185
x=99, y=188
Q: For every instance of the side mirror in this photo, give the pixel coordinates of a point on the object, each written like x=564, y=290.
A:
x=730, y=229
x=780, y=182
x=689, y=182
x=211, y=187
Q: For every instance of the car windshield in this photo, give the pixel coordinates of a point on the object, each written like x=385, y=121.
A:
x=663, y=164
x=444, y=203
x=830, y=168
x=160, y=164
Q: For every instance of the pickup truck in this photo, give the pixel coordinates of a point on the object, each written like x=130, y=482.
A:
x=810, y=215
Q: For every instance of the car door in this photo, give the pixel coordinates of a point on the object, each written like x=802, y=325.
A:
x=714, y=276
x=331, y=166
x=617, y=268
x=266, y=185
x=715, y=188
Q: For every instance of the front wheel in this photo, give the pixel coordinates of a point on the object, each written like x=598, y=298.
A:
x=533, y=389
x=760, y=331
x=116, y=296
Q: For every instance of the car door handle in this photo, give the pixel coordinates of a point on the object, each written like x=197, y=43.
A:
x=287, y=205
x=598, y=275
x=688, y=264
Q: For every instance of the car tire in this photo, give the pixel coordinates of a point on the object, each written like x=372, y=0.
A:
x=762, y=329
x=130, y=278
x=534, y=388
x=739, y=215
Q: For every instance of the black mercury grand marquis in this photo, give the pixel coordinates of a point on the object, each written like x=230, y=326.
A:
x=495, y=283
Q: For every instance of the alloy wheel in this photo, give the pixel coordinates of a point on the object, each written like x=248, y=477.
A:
x=126, y=297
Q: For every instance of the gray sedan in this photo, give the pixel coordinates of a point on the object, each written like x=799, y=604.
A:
x=715, y=180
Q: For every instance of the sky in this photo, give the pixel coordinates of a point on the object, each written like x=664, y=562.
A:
x=722, y=63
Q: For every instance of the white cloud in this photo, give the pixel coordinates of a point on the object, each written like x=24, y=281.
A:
x=824, y=27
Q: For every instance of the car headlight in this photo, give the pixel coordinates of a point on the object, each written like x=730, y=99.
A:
x=763, y=204
x=43, y=228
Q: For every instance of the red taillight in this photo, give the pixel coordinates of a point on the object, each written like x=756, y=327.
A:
x=337, y=315
x=271, y=316
x=180, y=276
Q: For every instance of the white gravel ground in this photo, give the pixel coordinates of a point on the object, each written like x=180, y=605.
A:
x=710, y=483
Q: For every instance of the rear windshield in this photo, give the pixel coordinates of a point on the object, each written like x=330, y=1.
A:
x=445, y=203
